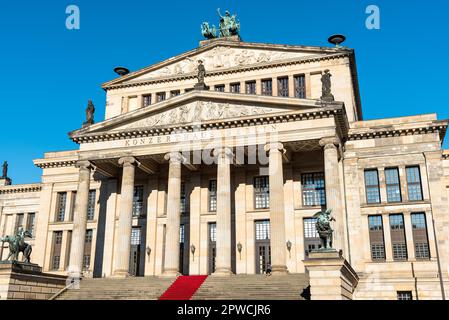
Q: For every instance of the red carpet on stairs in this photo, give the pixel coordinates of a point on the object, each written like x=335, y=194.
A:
x=183, y=288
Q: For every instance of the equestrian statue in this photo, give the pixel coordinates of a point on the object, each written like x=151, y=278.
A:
x=17, y=244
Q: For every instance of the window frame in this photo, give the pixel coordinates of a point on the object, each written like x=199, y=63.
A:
x=372, y=186
x=318, y=193
x=212, y=196
x=297, y=88
x=390, y=185
x=250, y=84
x=414, y=183
x=257, y=191
x=283, y=91
x=266, y=92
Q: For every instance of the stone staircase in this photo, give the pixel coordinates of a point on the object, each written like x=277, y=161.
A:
x=139, y=288
x=254, y=287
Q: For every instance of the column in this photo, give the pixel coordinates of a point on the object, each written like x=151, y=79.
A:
x=332, y=180
x=277, y=210
x=80, y=219
x=172, y=247
x=223, y=260
x=123, y=250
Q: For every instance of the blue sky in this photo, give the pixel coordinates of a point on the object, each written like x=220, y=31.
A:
x=50, y=72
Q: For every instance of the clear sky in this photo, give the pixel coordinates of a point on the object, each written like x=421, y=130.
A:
x=49, y=72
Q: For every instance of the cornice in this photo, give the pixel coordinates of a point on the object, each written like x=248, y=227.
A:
x=300, y=115
x=23, y=188
x=212, y=73
x=45, y=164
x=437, y=127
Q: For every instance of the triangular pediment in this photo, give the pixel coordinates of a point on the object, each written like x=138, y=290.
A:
x=198, y=107
x=223, y=55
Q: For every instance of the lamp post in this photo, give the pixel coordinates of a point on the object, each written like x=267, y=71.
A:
x=239, y=249
x=289, y=248
x=193, y=249
x=148, y=250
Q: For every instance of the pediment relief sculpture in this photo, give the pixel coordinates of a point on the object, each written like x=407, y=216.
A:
x=198, y=111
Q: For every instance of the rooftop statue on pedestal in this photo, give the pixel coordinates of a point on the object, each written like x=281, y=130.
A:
x=17, y=244
x=229, y=26
x=324, y=229
x=5, y=170
x=90, y=110
x=326, y=87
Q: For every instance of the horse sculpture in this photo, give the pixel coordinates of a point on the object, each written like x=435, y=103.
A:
x=17, y=245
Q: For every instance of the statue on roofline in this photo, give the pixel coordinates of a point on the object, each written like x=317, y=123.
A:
x=229, y=26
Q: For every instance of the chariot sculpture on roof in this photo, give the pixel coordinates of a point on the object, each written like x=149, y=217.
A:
x=229, y=26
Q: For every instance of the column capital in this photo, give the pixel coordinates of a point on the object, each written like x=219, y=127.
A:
x=175, y=156
x=329, y=142
x=84, y=165
x=127, y=161
x=275, y=146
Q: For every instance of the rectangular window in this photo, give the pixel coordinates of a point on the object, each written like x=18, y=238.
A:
x=372, y=186
x=86, y=262
x=135, y=236
x=61, y=203
x=393, y=185
x=235, y=87
x=213, y=195
x=414, y=183
x=160, y=96
x=57, y=243
x=181, y=233
x=183, y=198
x=220, y=88
x=175, y=93
x=263, y=230
x=72, y=207
x=31, y=223
x=311, y=238
x=146, y=100
x=19, y=222
x=91, y=205
x=89, y=235
x=138, y=201
x=213, y=232
x=420, y=237
x=283, y=87
x=376, y=237
x=300, y=86
x=267, y=87
x=261, y=192
x=313, y=189
x=398, y=242
x=250, y=87
x=404, y=295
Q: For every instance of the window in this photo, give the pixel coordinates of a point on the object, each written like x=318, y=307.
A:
x=89, y=235
x=235, y=87
x=183, y=198
x=138, y=201
x=181, y=233
x=160, y=96
x=372, y=186
x=283, y=87
x=19, y=222
x=86, y=262
x=420, y=237
x=220, y=88
x=414, y=183
x=250, y=87
x=397, y=230
x=313, y=189
x=135, y=236
x=213, y=232
x=72, y=208
x=405, y=295
x=146, y=100
x=376, y=236
x=61, y=203
x=300, y=86
x=263, y=230
x=213, y=195
x=57, y=243
x=393, y=185
x=311, y=238
x=91, y=205
x=267, y=87
x=261, y=192
x=31, y=223
x=175, y=93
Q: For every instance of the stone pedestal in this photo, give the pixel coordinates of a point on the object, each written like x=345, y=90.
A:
x=331, y=276
x=5, y=182
x=24, y=281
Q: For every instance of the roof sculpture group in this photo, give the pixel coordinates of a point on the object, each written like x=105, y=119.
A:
x=229, y=26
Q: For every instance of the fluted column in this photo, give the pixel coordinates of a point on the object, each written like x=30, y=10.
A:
x=277, y=210
x=332, y=183
x=123, y=250
x=80, y=219
x=171, y=267
x=223, y=257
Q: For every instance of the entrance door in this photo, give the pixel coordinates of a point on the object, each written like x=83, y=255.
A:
x=263, y=248
x=134, y=258
x=182, y=268
x=212, y=246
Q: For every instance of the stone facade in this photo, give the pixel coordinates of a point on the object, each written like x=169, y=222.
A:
x=276, y=152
